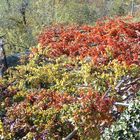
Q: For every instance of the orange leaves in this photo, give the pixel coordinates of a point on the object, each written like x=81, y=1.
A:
x=90, y=101
x=50, y=99
x=92, y=40
x=96, y=101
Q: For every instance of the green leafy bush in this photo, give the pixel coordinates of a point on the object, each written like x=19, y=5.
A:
x=128, y=125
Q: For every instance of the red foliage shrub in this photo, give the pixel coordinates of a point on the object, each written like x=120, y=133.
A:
x=48, y=108
x=120, y=37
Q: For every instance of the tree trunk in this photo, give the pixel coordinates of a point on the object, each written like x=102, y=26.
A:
x=23, y=9
x=3, y=61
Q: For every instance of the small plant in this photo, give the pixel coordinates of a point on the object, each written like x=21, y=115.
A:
x=128, y=125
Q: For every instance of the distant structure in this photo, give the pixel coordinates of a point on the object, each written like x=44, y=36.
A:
x=3, y=62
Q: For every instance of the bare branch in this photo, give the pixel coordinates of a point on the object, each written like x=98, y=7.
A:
x=71, y=135
x=107, y=92
x=121, y=104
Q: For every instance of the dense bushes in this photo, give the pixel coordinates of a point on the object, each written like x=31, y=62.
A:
x=54, y=115
x=103, y=42
x=128, y=126
x=69, y=82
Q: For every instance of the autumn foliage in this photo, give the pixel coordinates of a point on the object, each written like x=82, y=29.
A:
x=115, y=39
x=68, y=82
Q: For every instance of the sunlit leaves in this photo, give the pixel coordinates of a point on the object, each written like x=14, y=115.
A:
x=62, y=84
x=115, y=39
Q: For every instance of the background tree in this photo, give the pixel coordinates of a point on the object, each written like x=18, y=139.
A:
x=22, y=20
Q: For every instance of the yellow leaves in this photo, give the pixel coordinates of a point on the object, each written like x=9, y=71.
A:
x=45, y=52
x=85, y=72
x=109, y=52
x=21, y=84
x=66, y=74
x=1, y=127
